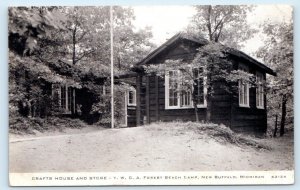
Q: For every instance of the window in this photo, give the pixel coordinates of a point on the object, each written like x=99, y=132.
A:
x=260, y=90
x=199, y=86
x=56, y=95
x=243, y=89
x=62, y=97
x=132, y=97
x=179, y=92
x=69, y=99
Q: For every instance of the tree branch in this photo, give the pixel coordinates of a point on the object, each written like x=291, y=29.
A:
x=83, y=34
x=84, y=55
x=208, y=25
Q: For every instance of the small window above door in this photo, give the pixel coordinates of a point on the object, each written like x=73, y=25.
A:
x=131, y=97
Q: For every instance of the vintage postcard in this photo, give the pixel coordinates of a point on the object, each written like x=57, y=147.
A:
x=151, y=95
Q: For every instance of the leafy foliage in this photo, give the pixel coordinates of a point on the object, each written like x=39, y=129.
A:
x=278, y=53
x=68, y=46
x=28, y=24
x=222, y=23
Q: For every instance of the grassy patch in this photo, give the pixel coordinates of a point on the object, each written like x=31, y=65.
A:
x=20, y=125
x=220, y=133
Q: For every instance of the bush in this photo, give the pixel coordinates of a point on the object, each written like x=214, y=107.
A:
x=28, y=125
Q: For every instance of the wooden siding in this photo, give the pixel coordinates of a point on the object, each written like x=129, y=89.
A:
x=225, y=107
x=248, y=120
x=220, y=104
x=186, y=51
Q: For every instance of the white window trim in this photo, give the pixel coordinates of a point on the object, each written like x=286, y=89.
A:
x=134, y=97
x=126, y=114
x=167, y=78
x=167, y=95
x=257, y=93
x=247, y=105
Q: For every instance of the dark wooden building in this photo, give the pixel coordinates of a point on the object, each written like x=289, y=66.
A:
x=64, y=91
x=155, y=99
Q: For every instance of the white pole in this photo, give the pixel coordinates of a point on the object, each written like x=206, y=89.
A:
x=112, y=66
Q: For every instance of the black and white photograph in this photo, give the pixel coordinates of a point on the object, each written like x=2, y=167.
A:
x=151, y=95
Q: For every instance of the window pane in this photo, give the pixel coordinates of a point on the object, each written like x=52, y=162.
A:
x=185, y=98
x=259, y=90
x=243, y=88
x=189, y=97
x=182, y=98
x=56, y=95
x=70, y=98
x=130, y=97
x=63, y=97
x=172, y=103
x=173, y=88
x=175, y=99
x=245, y=94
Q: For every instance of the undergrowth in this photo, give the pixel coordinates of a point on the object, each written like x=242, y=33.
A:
x=19, y=125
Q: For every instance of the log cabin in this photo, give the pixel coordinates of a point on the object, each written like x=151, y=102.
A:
x=153, y=98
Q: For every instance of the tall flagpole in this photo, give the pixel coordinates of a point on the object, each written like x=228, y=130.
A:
x=112, y=66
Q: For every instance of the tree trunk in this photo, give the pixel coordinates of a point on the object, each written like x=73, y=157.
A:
x=194, y=99
x=283, y=114
x=219, y=33
x=208, y=112
x=196, y=110
x=74, y=46
x=208, y=25
x=275, y=130
x=208, y=100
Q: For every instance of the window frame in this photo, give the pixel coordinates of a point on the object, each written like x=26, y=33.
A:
x=65, y=95
x=260, y=94
x=204, y=105
x=179, y=106
x=167, y=91
x=244, y=68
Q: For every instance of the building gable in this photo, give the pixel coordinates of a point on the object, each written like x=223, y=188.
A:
x=182, y=47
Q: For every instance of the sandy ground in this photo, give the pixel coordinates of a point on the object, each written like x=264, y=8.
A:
x=141, y=149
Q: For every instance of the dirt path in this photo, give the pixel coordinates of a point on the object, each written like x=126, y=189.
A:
x=142, y=149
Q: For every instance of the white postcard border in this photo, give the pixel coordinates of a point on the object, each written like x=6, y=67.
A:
x=152, y=178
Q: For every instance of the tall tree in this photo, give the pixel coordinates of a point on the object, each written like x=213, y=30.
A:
x=85, y=43
x=74, y=41
x=278, y=53
x=222, y=23
x=130, y=45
